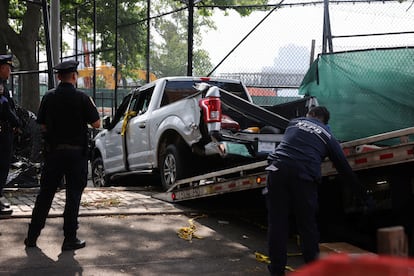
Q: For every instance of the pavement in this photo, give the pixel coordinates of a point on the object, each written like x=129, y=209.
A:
x=127, y=232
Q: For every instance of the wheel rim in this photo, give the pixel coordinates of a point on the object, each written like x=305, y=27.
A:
x=98, y=175
x=170, y=170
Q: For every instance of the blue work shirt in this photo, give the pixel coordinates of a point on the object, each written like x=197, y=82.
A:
x=305, y=144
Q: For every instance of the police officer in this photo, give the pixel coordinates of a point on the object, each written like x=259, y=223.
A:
x=64, y=115
x=294, y=172
x=9, y=122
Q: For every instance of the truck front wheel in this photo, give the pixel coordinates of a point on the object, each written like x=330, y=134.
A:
x=171, y=166
x=99, y=178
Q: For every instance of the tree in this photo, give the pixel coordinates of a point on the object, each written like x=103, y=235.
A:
x=19, y=32
x=169, y=51
x=131, y=28
x=169, y=48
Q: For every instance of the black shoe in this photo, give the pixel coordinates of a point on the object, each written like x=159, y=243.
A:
x=73, y=244
x=29, y=243
x=5, y=211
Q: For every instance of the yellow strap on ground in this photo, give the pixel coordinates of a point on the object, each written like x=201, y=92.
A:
x=262, y=258
x=289, y=268
x=265, y=259
x=128, y=115
x=187, y=233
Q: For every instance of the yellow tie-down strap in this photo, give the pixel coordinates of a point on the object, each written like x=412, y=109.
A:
x=265, y=259
x=188, y=233
x=128, y=115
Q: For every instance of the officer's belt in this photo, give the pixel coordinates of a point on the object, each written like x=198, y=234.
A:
x=68, y=147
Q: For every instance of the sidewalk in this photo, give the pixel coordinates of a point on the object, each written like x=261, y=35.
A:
x=94, y=202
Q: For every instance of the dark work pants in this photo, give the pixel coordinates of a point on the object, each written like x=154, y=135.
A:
x=73, y=165
x=286, y=191
x=6, y=150
x=402, y=195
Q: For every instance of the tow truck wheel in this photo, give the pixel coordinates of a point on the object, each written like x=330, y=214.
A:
x=171, y=166
x=99, y=178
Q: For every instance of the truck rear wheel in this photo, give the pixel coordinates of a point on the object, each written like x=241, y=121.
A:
x=172, y=166
x=99, y=178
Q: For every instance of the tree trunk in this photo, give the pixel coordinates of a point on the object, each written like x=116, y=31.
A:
x=23, y=46
x=30, y=90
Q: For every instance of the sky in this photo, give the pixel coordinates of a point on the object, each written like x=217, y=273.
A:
x=288, y=33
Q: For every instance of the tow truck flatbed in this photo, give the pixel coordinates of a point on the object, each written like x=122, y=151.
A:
x=374, y=152
x=362, y=154
x=244, y=177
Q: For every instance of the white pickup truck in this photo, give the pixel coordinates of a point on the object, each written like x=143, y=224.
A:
x=179, y=127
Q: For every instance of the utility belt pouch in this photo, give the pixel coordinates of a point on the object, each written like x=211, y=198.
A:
x=4, y=126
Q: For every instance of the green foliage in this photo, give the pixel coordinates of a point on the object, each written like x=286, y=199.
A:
x=17, y=10
x=232, y=4
x=168, y=48
x=131, y=32
x=169, y=56
x=201, y=63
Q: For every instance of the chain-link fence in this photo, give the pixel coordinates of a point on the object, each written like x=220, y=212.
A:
x=270, y=49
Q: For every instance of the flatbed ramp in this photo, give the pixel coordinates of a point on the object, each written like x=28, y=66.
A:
x=240, y=178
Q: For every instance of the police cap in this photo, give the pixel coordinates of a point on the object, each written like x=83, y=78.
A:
x=6, y=59
x=67, y=66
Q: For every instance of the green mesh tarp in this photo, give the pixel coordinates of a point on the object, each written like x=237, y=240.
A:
x=367, y=92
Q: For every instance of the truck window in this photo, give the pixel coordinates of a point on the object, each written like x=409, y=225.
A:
x=236, y=89
x=142, y=100
x=120, y=111
x=177, y=90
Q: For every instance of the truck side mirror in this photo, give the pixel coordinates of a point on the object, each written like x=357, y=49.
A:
x=106, y=122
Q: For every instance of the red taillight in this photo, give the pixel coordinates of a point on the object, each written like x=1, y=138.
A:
x=205, y=79
x=211, y=107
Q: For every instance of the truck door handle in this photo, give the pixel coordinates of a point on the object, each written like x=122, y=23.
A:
x=142, y=125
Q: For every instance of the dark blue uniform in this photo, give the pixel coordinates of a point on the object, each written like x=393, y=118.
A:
x=8, y=122
x=294, y=173
x=65, y=112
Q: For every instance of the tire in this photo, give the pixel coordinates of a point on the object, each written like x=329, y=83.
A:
x=99, y=178
x=172, y=166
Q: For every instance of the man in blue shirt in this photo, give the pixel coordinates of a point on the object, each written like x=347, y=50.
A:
x=294, y=172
